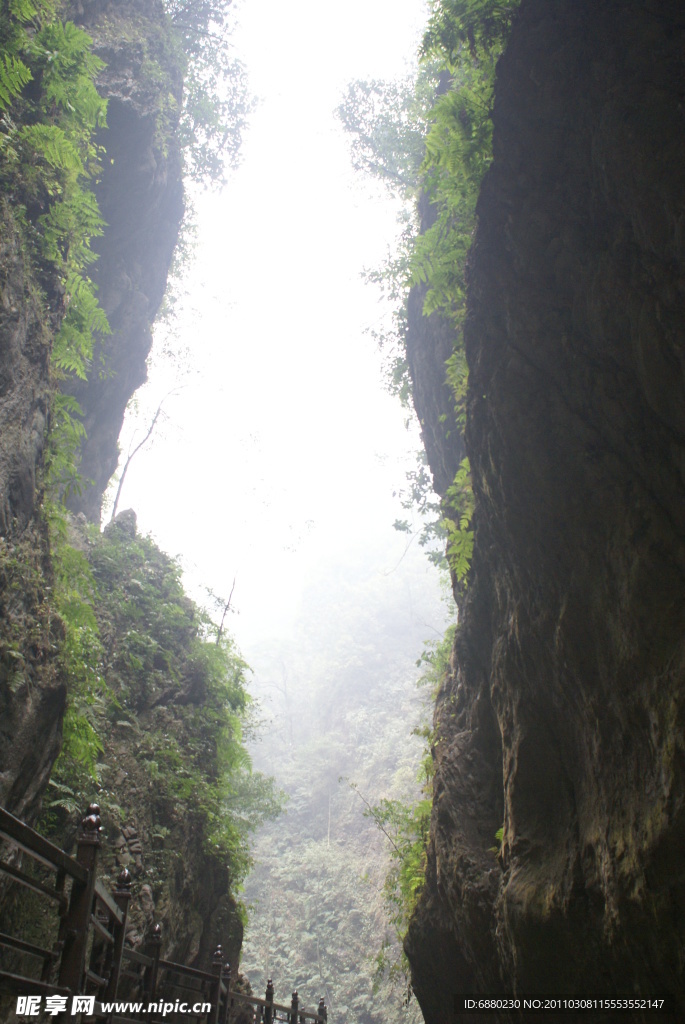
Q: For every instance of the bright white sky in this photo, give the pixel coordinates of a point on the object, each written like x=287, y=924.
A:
x=282, y=445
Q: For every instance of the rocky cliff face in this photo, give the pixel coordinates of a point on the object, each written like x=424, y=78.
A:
x=25, y=332
x=160, y=700
x=32, y=695
x=140, y=195
x=141, y=198
x=563, y=716
x=160, y=737
x=163, y=716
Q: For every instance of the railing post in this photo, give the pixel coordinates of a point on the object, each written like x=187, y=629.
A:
x=322, y=1011
x=215, y=995
x=269, y=1008
x=223, y=1019
x=151, y=972
x=122, y=897
x=75, y=924
x=294, y=1004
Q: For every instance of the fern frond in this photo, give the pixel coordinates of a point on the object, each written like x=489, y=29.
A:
x=23, y=10
x=50, y=143
x=14, y=75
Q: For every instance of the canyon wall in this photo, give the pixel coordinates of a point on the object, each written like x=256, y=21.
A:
x=140, y=194
x=562, y=718
x=181, y=879
x=141, y=198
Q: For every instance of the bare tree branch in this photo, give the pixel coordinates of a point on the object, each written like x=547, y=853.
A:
x=227, y=606
x=132, y=454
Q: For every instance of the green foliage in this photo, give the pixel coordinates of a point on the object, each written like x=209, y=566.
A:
x=46, y=139
x=391, y=279
x=499, y=838
x=452, y=128
x=80, y=655
x=406, y=826
x=465, y=37
x=30, y=10
x=63, y=447
x=46, y=608
x=387, y=125
x=29, y=629
x=406, y=829
x=119, y=650
x=68, y=69
x=159, y=660
x=480, y=25
x=216, y=101
x=458, y=509
x=14, y=75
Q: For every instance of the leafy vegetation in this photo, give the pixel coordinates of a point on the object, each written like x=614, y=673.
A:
x=216, y=101
x=152, y=684
x=340, y=690
x=29, y=630
x=390, y=125
x=445, y=116
x=49, y=160
x=386, y=122
x=80, y=655
x=163, y=680
x=50, y=110
x=406, y=826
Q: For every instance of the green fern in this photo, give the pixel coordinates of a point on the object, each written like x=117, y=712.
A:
x=30, y=10
x=458, y=509
x=67, y=231
x=69, y=68
x=50, y=143
x=66, y=801
x=14, y=75
x=499, y=837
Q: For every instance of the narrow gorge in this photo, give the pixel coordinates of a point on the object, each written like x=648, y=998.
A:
x=544, y=357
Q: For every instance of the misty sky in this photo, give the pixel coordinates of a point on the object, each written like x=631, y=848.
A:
x=282, y=445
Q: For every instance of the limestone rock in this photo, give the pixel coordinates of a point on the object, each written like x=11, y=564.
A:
x=140, y=194
x=563, y=715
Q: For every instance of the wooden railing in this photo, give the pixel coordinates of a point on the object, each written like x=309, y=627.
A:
x=89, y=956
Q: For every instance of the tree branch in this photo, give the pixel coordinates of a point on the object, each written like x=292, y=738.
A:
x=225, y=613
x=135, y=451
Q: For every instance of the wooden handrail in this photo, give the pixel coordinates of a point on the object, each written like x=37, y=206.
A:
x=100, y=928
x=26, y=947
x=91, y=910
x=108, y=901
x=33, y=884
x=31, y=986
x=256, y=1001
x=38, y=847
x=193, y=972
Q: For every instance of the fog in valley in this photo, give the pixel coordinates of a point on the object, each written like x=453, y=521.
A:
x=292, y=458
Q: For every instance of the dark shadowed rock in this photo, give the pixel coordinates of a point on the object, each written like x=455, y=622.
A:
x=26, y=323
x=141, y=198
x=430, y=343
x=563, y=716
x=125, y=523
